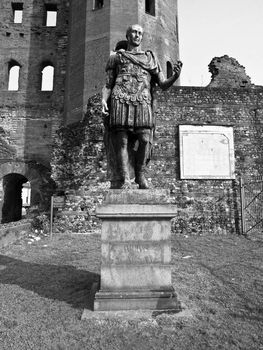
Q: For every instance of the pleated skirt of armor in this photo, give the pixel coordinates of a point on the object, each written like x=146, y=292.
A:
x=128, y=115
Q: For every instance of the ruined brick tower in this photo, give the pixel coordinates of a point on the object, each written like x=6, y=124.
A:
x=33, y=53
x=95, y=28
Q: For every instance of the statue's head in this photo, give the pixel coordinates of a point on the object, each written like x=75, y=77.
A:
x=134, y=34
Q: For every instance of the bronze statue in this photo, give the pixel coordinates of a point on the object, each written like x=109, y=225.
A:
x=127, y=104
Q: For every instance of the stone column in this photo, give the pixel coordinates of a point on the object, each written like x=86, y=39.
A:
x=136, y=251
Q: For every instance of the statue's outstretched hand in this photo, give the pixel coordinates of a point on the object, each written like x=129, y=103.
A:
x=177, y=67
x=105, y=108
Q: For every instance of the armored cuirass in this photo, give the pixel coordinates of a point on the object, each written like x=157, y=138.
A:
x=131, y=99
x=133, y=83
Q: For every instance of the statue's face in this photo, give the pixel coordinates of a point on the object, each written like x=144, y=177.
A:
x=135, y=35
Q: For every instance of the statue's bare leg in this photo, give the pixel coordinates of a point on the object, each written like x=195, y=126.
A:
x=141, y=158
x=120, y=144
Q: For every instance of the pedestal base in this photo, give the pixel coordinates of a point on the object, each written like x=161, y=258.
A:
x=137, y=300
x=136, y=251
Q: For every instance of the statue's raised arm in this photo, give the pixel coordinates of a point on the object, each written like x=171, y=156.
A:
x=166, y=83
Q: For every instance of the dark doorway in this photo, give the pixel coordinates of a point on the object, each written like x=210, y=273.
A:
x=12, y=205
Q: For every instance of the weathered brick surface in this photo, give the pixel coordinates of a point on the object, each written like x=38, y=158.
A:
x=29, y=116
x=161, y=31
x=227, y=72
x=206, y=206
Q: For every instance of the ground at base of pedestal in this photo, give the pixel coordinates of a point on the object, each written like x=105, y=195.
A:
x=45, y=287
x=133, y=314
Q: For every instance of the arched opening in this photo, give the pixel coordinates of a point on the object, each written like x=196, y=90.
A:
x=169, y=69
x=47, y=80
x=13, y=76
x=17, y=194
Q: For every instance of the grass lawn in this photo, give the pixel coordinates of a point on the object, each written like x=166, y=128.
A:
x=44, y=287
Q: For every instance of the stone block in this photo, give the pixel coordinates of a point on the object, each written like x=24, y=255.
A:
x=137, y=300
x=134, y=196
x=136, y=251
x=133, y=277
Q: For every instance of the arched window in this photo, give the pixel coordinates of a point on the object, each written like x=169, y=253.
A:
x=13, y=76
x=47, y=80
x=169, y=69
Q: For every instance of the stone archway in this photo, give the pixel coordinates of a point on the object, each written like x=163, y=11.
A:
x=14, y=174
x=12, y=201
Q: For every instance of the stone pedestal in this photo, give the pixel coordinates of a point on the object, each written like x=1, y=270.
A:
x=136, y=251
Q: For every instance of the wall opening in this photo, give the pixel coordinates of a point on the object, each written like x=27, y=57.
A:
x=13, y=202
x=47, y=79
x=17, y=12
x=98, y=4
x=26, y=198
x=150, y=7
x=13, y=75
x=169, y=69
x=51, y=15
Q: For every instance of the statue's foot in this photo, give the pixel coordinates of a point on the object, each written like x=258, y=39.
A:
x=144, y=186
x=120, y=184
x=142, y=182
x=125, y=185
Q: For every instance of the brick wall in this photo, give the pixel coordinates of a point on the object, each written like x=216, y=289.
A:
x=209, y=206
x=205, y=206
x=30, y=117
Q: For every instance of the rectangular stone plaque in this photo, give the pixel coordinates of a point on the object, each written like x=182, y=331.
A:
x=206, y=152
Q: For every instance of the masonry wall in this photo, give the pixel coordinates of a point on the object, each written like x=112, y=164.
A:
x=161, y=31
x=208, y=206
x=29, y=116
x=205, y=206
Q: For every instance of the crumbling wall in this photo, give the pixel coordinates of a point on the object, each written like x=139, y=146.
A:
x=205, y=206
x=228, y=73
x=80, y=171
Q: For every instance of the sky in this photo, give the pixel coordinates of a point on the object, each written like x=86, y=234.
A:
x=213, y=28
